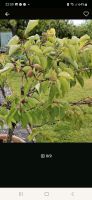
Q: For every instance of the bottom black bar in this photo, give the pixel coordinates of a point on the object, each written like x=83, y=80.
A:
x=21, y=165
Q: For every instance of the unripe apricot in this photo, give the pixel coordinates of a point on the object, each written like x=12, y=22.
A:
x=23, y=101
x=30, y=73
x=37, y=67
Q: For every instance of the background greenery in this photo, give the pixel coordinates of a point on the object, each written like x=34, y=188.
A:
x=64, y=28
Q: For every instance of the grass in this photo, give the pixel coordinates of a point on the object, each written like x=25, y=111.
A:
x=76, y=93
x=66, y=131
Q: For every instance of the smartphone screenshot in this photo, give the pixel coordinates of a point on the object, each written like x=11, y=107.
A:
x=45, y=100
x=45, y=74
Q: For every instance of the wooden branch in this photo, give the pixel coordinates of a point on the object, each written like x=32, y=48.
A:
x=15, y=139
x=46, y=123
x=3, y=92
x=86, y=69
x=86, y=101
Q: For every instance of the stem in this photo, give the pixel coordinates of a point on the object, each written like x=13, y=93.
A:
x=33, y=90
x=3, y=92
x=9, y=138
x=29, y=128
x=10, y=133
x=86, y=101
x=22, y=90
x=30, y=63
x=46, y=123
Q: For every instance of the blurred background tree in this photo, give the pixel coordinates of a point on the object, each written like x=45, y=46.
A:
x=85, y=28
x=64, y=28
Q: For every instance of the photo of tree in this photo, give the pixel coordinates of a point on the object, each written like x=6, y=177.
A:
x=45, y=81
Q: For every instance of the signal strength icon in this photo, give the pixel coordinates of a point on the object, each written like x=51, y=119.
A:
x=67, y=4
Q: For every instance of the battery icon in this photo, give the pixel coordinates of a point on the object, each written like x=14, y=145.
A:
x=67, y=4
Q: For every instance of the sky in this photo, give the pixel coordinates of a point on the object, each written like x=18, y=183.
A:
x=78, y=22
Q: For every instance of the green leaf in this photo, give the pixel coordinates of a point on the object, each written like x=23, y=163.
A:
x=7, y=67
x=74, y=63
x=72, y=83
x=38, y=113
x=65, y=75
x=64, y=85
x=31, y=25
x=54, y=92
x=72, y=51
x=28, y=44
x=36, y=60
x=49, y=62
x=27, y=87
x=26, y=69
x=16, y=116
x=53, y=113
x=36, y=49
x=33, y=116
x=48, y=50
x=37, y=87
x=14, y=40
x=51, y=74
x=43, y=61
x=80, y=80
x=34, y=37
x=24, y=120
x=32, y=102
x=33, y=134
x=13, y=49
x=29, y=117
x=44, y=87
x=67, y=69
x=45, y=115
x=10, y=116
x=2, y=117
x=85, y=38
x=13, y=22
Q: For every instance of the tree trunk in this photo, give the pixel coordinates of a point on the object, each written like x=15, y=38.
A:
x=15, y=139
x=10, y=133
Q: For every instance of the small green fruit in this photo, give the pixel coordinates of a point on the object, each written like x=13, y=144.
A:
x=37, y=67
x=30, y=73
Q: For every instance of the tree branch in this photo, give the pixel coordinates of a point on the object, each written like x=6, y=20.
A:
x=86, y=101
x=46, y=123
x=3, y=92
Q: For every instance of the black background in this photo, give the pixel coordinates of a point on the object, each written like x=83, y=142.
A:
x=22, y=166
x=45, y=13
